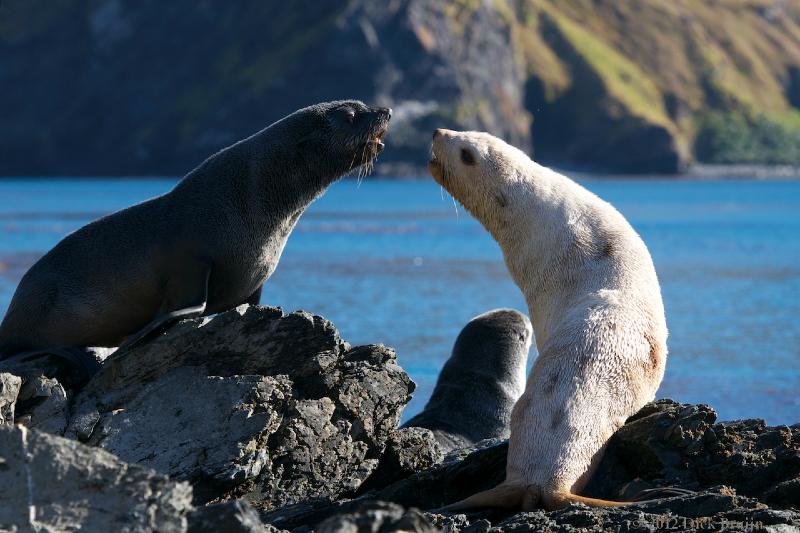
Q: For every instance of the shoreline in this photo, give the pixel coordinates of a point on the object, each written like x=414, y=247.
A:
x=411, y=172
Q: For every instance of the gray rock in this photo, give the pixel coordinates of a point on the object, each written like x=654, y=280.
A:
x=673, y=444
x=43, y=405
x=463, y=473
x=249, y=403
x=309, y=513
x=56, y=484
x=716, y=509
x=409, y=450
x=274, y=414
x=473, y=470
x=9, y=389
x=210, y=430
x=374, y=517
x=434, y=70
x=234, y=516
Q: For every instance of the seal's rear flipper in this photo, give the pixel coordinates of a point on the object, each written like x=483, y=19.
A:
x=80, y=365
x=661, y=492
x=563, y=498
x=192, y=303
x=647, y=495
x=501, y=496
x=160, y=324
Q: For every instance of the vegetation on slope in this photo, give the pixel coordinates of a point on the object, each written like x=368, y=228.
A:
x=680, y=65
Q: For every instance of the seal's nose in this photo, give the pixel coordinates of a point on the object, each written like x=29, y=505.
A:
x=386, y=111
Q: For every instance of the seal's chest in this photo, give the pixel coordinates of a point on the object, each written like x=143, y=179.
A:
x=262, y=260
x=249, y=263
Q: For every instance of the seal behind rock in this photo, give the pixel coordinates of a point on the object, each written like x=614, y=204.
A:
x=480, y=383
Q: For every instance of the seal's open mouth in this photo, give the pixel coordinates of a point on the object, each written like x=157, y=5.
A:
x=436, y=169
x=377, y=138
x=370, y=145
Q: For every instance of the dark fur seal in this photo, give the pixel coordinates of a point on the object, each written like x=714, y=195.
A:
x=480, y=383
x=206, y=246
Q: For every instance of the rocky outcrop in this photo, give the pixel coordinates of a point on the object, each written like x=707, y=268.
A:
x=672, y=444
x=705, y=511
x=377, y=516
x=43, y=405
x=56, y=484
x=235, y=516
x=251, y=404
x=287, y=409
x=255, y=420
x=666, y=444
x=9, y=390
x=408, y=451
x=434, y=64
x=742, y=474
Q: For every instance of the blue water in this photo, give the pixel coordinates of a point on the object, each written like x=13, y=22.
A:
x=395, y=262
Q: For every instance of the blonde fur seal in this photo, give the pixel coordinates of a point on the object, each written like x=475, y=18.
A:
x=595, y=305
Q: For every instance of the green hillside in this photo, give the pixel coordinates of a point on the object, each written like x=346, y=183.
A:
x=692, y=70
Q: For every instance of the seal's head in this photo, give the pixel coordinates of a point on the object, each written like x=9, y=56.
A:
x=339, y=137
x=482, y=172
x=496, y=343
x=480, y=382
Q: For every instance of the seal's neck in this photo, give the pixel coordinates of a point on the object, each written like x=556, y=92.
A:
x=279, y=181
x=537, y=242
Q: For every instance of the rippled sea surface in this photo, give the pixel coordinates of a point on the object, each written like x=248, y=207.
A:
x=396, y=262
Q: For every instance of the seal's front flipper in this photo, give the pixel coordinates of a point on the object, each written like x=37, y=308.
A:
x=72, y=366
x=255, y=298
x=190, y=301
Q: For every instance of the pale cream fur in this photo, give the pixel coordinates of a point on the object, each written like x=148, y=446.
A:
x=595, y=304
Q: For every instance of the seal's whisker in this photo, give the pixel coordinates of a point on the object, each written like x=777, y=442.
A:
x=353, y=161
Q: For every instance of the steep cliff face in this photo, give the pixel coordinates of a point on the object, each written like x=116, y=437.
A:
x=112, y=87
x=631, y=85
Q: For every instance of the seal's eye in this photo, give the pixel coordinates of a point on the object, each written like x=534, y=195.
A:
x=349, y=115
x=466, y=157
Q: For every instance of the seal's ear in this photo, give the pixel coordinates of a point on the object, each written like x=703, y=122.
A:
x=501, y=199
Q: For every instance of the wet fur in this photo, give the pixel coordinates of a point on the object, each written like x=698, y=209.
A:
x=595, y=304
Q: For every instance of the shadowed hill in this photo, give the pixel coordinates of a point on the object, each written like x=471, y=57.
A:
x=109, y=87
